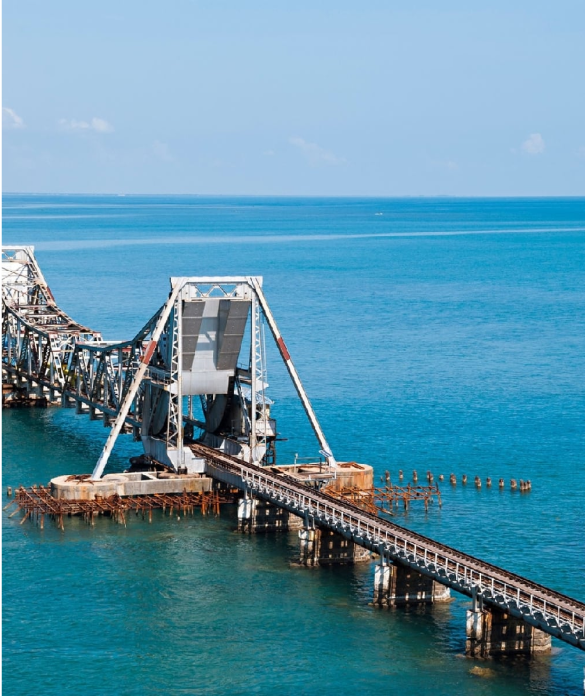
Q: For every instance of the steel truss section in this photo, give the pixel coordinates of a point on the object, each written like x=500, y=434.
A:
x=101, y=374
x=38, y=338
x=174, y=436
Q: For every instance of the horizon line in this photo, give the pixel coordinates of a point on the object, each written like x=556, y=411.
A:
x=295, y=195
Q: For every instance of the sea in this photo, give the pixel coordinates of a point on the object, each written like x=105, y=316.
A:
x=431, y=334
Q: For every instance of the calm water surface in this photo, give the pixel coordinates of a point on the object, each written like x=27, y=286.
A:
x=431, y=334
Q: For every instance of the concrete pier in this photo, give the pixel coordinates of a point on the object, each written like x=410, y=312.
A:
x=348, y=475
x=20, y=392
x=128, y=484
x=398, y=585
x=257, y=516
x=326, y=547
x=495, y=633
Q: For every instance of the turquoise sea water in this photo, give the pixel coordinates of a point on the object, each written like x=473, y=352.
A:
x=431, y=334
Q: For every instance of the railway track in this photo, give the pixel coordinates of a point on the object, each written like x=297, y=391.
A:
x=549, y=610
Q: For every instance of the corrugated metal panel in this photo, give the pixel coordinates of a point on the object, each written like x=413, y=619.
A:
x=192, y=314
x=213, y=330
x=235, y=315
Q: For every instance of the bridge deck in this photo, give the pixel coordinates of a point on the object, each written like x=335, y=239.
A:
x=550, y=611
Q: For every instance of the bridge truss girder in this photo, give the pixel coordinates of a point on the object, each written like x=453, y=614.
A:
x=38, y=337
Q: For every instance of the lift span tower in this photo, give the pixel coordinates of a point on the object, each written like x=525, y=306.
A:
x=205, y=345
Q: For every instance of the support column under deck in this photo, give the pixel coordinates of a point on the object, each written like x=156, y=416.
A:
x=256, y=516
x=399, y=585
x=22, y=390
x=491, y=632
x=326, y=547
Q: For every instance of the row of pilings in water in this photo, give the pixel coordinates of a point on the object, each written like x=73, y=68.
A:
x=514, y=485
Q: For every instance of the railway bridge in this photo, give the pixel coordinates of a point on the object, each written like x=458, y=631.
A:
x=181, y=388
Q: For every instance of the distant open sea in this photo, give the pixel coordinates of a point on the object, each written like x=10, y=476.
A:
x=431, y=334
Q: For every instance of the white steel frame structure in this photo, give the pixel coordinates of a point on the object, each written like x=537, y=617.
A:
x=135, y=385
x=190, y=289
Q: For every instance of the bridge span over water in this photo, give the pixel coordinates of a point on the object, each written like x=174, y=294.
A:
x=180, y=387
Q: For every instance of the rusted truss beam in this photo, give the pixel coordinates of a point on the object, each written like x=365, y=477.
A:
x=376, y=500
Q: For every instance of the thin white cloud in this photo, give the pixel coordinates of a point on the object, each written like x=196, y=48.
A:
x=315, y=154
x=161, y=150
x=101, y=126
x=98, y=125
x=10, y=119
x=534, y=144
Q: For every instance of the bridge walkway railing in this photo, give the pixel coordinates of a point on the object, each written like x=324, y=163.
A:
x=550, y=611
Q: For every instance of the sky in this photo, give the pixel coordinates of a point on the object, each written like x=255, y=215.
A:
x=371, y=98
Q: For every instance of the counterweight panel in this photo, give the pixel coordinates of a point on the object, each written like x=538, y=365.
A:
x=213, y=330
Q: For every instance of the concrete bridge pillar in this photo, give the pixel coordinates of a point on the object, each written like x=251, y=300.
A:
x=256, y=516
x=22, y=391
x=400, y=585
x=493, y=632
x=308, y=544
x=326, y=547
x=35, y=390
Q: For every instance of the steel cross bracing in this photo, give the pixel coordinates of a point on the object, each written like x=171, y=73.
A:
x=258, y=383
x=549, y=611
x=175, y=414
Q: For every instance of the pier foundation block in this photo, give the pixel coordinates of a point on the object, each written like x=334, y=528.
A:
x=493, y=633
x=326, y=547
x=257, y=516
x=18, y=391
x=398, y=585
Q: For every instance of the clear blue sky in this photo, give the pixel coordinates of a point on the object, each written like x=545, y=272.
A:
x=310, y=98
